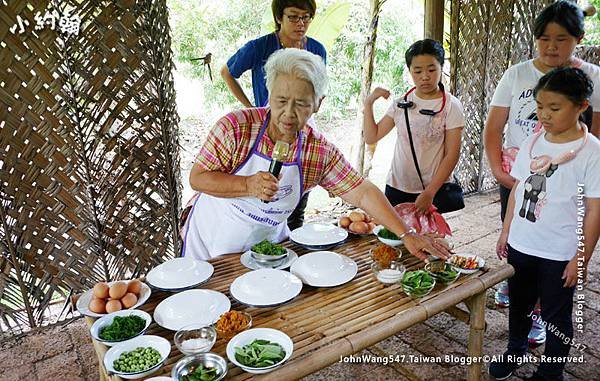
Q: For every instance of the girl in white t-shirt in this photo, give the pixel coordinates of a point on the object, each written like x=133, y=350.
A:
x=512, y=116
x=436, y=121
x=552, y=222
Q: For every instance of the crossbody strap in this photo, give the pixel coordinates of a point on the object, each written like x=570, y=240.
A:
x=412, y=147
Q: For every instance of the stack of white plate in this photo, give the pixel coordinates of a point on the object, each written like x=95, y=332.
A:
x=318, y=236
x=265, y=287
x=201, y=307
x=179, y=274
x=324, y=269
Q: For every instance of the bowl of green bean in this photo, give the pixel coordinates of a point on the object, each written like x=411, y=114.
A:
x=138, y=357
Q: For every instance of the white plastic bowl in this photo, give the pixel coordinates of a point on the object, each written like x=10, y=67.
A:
x=162, y=345
x=108, y=320
x=389, y=242
x=246, y=337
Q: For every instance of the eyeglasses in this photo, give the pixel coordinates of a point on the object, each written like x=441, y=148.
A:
x=296, y=19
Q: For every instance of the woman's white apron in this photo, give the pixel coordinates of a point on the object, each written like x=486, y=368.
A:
x=219, y=226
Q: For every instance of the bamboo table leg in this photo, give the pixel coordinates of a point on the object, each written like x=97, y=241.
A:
x=476, y=306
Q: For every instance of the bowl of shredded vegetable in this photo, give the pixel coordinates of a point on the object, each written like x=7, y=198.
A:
x=231, y=323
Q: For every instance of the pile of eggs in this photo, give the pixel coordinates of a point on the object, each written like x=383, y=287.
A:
x=357, y=222
x=120, y=295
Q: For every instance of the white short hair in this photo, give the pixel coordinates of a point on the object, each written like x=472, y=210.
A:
x=302, y=65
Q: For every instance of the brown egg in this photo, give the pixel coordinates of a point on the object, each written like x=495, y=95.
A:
x=134, y=286
x=359, y=227
x=98, y=306
x=356, y=216
x=117, y=290
x=345, y=222
x=113, y=306
x=129, y=300
x=101, y=290
x=371, y=226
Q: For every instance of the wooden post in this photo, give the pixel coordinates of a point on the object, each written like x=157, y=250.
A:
x=367, y=78
x=476, y=306
x=434, y=20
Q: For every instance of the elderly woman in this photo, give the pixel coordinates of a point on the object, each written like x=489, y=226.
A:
x=229, y=214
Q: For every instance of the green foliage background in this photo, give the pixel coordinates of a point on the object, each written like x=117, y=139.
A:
x=592, y=26
x=223, y=26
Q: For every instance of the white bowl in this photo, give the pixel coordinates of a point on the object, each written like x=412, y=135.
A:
x=162, y=345
x=324, y=269
x=178, y=274
x=84, y=300
x=246, y=337
x=389, y=242
x=318, y=235
x=197, y=306
x=108, y=319
x=480, y=263
x=265, y=287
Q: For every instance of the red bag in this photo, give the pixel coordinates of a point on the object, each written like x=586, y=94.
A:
x=431, y=222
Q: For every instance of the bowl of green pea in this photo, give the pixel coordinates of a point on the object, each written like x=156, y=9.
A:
x=138, y=357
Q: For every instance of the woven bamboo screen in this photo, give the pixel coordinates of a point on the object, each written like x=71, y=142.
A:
x=486, y=37
x=89, y=169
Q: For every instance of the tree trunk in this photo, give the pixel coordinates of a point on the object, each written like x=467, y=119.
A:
x=363, y=164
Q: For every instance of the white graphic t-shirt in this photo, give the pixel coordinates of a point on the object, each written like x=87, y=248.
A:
x=515, y=90
x=549, y=206
x=428, y=137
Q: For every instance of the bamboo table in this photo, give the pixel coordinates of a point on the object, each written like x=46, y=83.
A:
x=327, y=323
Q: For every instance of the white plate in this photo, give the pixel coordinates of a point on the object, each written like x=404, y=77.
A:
x=324, y=269
x=108, y=319
x=265, y=287
x=84, y=300
x=480, y=263
x=246, y=337
x=250, y=263
x=179, y=273
x=191, y=307
x=389, y=242
x=162, y=345
x=318, y=235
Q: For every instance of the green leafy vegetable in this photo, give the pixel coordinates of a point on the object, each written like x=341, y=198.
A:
x=259, y=354
x=448, y=275
x=417, y=283
x=201, y=373
x=384, y=233
x=267, y=248
x=122, y=327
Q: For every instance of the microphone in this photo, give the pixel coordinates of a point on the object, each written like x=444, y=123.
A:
x=280, y=154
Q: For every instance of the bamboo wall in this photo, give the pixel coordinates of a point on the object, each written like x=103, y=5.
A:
x=89, y=156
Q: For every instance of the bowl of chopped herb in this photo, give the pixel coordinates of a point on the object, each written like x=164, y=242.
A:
x=201, y=367
x=120, y=326
x=268, y=252
x=386, y=236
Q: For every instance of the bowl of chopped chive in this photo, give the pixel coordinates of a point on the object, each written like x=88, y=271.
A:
x=200, y=367
x=120, y=326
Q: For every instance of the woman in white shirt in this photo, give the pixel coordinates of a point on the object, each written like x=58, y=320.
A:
x=436, y=121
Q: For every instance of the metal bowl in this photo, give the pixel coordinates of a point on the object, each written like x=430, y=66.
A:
x=188, y=364
x=268, y=259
